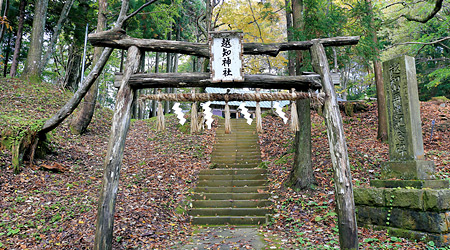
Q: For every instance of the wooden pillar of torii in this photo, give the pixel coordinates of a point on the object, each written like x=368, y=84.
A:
x=130, y=80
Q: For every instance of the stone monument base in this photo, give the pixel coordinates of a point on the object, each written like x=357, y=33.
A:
x=421, y=214
x=417, y=184
x=408, y=170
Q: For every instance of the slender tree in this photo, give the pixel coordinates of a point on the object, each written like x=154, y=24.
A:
x=18, y=43
x=32, y=66
x=83, y=117
x=301, y=175
x=56, y=31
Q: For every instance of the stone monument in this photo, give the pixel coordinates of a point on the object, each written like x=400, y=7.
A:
x=408, y=201
x=404, y=124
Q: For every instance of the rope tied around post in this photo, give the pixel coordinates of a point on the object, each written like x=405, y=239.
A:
x=204, y=97
x=161, y=125
x=194, y=117
x=294, y=114
x=259, y=128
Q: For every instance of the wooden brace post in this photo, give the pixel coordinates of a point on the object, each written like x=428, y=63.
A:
x=113, y=159
x=345, y=205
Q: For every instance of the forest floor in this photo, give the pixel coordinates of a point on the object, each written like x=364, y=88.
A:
x=41, y=209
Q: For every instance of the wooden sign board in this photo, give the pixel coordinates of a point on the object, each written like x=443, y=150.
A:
x=226, y=56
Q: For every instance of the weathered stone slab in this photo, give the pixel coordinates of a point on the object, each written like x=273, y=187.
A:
x=390, y=197
x=404, y=198
x=437, y=200
x=433, y=200
x=402, y=99
x=369, y=196
x=429, y=222
x=408, y=170
x=418, y=184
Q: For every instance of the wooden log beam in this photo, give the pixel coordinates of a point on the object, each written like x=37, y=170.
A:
x=114, y=155
x=345, y=205
x=257, y=97
x=117, y=38
x=184, y=80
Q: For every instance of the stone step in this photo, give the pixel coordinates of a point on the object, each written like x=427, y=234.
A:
x=231, y=183
x=234, y=160
x=230, y=220
x=228, y=154
x=229, y=211
x=250, y=134
x=233, y=177
x=230, y=196
x=248, y=189
x=230, y=203
x=237, y=171
x=236, y=156
x=238, y=144
x=236, y=165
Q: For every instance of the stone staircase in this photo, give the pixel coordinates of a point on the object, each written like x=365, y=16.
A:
x=234, y=190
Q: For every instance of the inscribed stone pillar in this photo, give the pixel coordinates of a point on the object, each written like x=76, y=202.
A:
x=404, y=125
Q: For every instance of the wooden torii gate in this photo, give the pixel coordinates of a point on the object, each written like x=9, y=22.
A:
x=130, y=80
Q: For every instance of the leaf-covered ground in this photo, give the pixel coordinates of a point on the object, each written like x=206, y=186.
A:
x=40, y=209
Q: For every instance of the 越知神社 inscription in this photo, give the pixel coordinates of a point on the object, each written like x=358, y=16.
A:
x=226, y=56
x=404, y=125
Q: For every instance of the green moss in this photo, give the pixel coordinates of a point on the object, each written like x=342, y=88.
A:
x=440, y=99
x=24, y=108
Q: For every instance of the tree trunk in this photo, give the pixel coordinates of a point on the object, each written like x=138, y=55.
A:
x=114, y=156
x=2, y=28
x=345, y=205
x=299, y=25
x=18, y=43
x=153, y=112
x=5, y=61
x=83, y=117
x=382, y=113
x=73, y=73
x=302, y=175
x=290, y=37
x=56, y=31
x=32, y=66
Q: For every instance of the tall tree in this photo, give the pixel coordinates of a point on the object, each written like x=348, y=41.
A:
x=18, y=43
x=33, y=63
x=3, y=20
x=56, y=31
x=377, y=69
x=83, y=117
x=301, y=175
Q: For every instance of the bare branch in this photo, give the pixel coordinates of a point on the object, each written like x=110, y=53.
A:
x=392, y=4
x=422, y=43
x=435, y=10
x=138, y=10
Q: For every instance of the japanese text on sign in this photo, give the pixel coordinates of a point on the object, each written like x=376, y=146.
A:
x=226, y=63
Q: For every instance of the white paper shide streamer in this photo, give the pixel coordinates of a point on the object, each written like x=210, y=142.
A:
x=179, y=113
x=208, y=114
x=244, y=111
x=279, y=111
